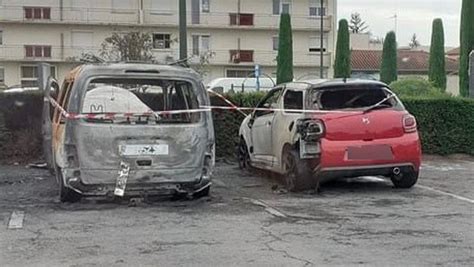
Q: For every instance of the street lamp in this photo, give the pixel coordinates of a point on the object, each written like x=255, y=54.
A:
x=321, y=55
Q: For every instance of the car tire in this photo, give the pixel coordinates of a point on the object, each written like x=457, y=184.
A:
x=243, y=155
x=203, y=193
x=66, y=194
x=298, y=175
x=406, y=180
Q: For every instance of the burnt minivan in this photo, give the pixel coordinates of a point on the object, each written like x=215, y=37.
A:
x=129, y=129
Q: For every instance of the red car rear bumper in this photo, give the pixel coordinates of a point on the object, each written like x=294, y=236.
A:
x=406, y=152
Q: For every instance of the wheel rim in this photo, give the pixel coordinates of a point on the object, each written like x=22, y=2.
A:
x=290, y=172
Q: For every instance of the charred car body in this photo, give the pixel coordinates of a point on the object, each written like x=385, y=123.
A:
x=128, y=140
x=316, y=131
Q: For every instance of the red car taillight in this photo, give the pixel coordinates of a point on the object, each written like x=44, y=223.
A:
x=409, y=124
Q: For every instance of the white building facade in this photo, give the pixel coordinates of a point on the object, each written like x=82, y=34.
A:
x=238, y=34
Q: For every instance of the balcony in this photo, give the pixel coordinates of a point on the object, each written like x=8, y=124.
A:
x=223, y=57
x=239, y=19
x=134, y=17
x=241, y=56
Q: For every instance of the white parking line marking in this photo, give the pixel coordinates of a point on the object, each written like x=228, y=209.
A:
x=16, y=220
x=446, y=193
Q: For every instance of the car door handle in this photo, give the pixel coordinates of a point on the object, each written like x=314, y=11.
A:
x=269, y=123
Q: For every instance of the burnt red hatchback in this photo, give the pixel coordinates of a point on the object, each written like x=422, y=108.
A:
x=321, y=130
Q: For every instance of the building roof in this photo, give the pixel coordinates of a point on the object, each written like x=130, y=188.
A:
x=409, y=61
x=454, y=52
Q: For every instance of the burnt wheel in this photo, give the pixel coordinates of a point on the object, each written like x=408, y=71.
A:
x=298, y=175
x=243, y=155
x=405, y=180
x=66, y=194
x=203, y=193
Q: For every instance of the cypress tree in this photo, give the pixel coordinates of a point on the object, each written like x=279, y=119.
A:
x=389, y=69
x=467, y=45
x=342, y=65
x=285, y=50
x=437, y=72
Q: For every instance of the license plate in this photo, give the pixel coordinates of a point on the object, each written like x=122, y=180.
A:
x=375, y=152
x=144, y=150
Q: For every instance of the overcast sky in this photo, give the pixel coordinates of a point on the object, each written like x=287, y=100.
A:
x=414, y=16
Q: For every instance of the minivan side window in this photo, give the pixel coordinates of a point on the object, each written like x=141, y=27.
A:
x=293, y=100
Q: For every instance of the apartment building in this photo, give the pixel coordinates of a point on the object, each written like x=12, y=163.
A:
x=238, y=34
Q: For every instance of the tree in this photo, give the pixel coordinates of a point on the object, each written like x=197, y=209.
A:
x=342, y=65
x=389, y=69
x=357, y=25
x=437, y=72
x=131, y=46
x=285, y=51
x=467, y=45
x=414, y=43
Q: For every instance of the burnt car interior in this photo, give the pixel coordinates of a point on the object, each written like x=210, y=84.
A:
x=351, y=98
x=139, y=96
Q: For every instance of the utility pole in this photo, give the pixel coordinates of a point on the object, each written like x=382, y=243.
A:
x=321, y=50
x=183, y=35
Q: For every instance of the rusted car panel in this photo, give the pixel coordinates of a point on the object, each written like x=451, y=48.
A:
x=174, y=156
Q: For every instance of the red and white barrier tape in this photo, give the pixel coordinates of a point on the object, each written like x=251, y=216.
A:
x=227, y=101
x=233, y=107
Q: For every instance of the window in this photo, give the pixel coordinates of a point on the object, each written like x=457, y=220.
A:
x=238, y=73
x=276, y=42
x=315, y=8
x=293, y=100
x=270, y=101
x=2, y=76
x=201, y=44
x=1, y=37
x=281, y=6
x=315, y=44
x=37, y=12
x=161, y=41
x=29, y=75
x=352, y=98
x=37, y=51
x=127, y=95
x=205, y=6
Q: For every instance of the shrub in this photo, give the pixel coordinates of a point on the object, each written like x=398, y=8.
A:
x=416, y=87
x=437, y=72
x=285, y=50
x=446, y=124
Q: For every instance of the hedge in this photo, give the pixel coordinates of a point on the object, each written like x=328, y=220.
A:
x=446, y=124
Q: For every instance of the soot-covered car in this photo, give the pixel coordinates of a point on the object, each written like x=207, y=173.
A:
x=316, y=131
x=129, y=129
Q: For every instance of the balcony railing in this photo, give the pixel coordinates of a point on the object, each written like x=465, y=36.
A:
x=165, y=18
x=223, y=57
x=239, y=19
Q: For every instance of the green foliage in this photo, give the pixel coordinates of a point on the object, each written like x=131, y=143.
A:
x=285, y=51
x=415, y=87
x=446, y=125
x=389, y=69
x=342, y=65
x=467, y=45
x=437, y=72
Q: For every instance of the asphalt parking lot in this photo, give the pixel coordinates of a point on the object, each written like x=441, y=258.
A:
x=248, y=220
